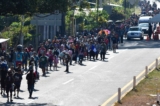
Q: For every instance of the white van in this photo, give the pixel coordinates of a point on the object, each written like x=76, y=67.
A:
x=144, y=23
x=144, y=19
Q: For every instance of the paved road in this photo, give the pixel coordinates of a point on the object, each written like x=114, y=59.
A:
x=94, y=82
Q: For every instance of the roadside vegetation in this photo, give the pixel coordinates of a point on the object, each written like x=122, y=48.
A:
x=13, y=26
x=145, y=93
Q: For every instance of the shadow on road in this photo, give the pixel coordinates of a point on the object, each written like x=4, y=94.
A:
x=22, y=104
x=19, y=98
x=137, y=44
x=35, y=90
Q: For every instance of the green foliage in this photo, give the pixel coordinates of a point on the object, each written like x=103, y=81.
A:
x=32, y=6
x=128, y=5
x=113, y=2
x=84, y=4
x=87, y=21
x=117, y=14
x=127, y=12
x=13, y=31
x=15, y=6
x=49, y=6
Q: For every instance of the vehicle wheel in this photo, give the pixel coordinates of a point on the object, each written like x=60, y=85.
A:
x=141, y=38
x=128, y=38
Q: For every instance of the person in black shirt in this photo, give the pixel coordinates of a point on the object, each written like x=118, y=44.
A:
x=30, y=81
x=150, y=31
x=17, y=81
x=9, y=85
x=67, y=59
x=11, y=57
x=114, y=41
x=3, y=74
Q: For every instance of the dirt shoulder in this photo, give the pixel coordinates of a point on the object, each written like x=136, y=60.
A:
x=145, y=93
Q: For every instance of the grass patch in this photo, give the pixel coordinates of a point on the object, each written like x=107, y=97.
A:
x=142, y=95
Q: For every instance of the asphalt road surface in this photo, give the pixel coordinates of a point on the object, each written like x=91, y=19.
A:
x=94, y=82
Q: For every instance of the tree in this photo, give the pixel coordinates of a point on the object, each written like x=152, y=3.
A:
x=49, y=6
x=116, y=15
x=15, y=6
x=14, y=30
x=128, y=5
x=22, y=7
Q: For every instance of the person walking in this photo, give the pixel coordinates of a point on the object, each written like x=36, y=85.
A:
x=55, y=62
x=150, y=31
x=9, y=85
x=26, y=56
x=67, y=59
x=42, y=63
x=114, y=40
x=103, y=51
x=3, y=75
x=50, y=58
x=30, y=81
x=17, y=81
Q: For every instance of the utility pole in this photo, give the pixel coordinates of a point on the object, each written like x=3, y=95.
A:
x=125, y=7
x=21, y=32
x=97, y=12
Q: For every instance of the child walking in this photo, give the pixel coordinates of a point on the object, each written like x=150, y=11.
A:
x=55, y=62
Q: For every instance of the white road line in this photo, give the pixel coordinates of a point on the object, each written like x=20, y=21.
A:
x=68, y=81
x=92, y=68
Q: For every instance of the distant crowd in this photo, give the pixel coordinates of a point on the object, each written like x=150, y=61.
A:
x=90, y=45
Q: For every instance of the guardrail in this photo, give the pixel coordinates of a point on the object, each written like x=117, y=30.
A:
x=132, y=84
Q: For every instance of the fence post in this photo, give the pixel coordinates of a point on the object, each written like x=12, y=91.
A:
x=156, y=63
x=119, y=95
x=158, y=96
x=146, y=73
x=134, y=82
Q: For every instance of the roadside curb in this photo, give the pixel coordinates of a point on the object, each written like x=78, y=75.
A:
x=131, y=84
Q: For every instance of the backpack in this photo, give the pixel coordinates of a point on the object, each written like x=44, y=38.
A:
x=4, y=65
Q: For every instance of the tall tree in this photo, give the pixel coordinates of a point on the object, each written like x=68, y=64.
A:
x=15, y=6
x=32, y=6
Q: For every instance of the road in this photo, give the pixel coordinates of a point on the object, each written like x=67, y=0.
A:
x=94, y=82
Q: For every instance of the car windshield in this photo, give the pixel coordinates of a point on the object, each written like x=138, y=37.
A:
x=134, y=29
x=144, y=25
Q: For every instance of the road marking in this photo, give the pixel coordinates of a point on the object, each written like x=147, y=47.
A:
x=68, y=81
x=92, y=68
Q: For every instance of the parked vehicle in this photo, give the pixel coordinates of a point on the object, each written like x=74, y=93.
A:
x=135, y=32
x=144, y=19
x=144, y=27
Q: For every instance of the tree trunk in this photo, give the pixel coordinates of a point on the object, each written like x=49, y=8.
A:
x=21, y=33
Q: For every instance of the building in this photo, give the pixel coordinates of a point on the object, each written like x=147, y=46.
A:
x=48, y=25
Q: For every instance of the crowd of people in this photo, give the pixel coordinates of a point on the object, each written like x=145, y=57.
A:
x=28, y=60
x=61, y=50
